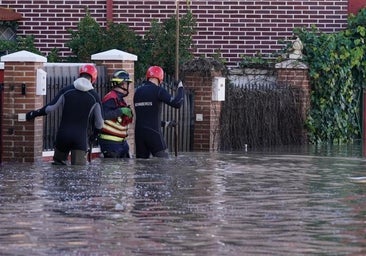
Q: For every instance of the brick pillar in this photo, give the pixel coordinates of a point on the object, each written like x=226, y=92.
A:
x=296, y=74
x=114, y=60
x=206, y=133
x=22, y=141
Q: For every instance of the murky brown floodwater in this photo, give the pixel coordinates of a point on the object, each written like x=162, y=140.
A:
x=297, y=202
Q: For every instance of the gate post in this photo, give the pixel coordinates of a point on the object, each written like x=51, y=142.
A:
x=295, y=74
x=22, y=141
x=117, y=59
x=206, y=134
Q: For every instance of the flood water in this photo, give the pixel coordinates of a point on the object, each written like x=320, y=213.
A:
x=294, y=202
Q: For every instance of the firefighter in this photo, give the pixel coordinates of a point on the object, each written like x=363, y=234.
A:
x=148, y=100
x=118, y=115
x=81, y=108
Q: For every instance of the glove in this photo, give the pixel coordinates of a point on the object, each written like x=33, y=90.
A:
x=170, y=124
x=178, y=83
x=126, y=111
x=34, y=113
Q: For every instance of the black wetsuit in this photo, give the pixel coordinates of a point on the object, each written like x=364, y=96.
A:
x=80, y=104
x=148, y=101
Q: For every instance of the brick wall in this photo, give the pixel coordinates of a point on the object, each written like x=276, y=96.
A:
x=206, y=133
x=296, y=75
x=22, y=141
x=232, y=27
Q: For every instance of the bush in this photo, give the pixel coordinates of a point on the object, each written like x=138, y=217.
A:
x=337, y=65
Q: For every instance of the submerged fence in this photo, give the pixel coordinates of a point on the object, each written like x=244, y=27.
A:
x=258, y=116
x=59, y=77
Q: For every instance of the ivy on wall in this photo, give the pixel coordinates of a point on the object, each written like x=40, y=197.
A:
x=337, y=65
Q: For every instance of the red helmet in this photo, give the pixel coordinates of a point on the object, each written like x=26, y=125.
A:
x=155, y=72
x=89, y=69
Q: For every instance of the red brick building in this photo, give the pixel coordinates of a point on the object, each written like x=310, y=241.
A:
x=233, y=28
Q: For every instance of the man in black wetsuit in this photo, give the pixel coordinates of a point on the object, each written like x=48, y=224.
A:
x=80, y=105
x=148, y=100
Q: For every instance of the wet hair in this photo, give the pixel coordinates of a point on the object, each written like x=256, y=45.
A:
x=86, y=75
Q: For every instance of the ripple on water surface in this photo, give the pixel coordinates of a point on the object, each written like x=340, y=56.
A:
x=196, y=204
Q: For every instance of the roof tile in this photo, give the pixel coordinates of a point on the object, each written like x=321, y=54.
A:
x=7, y=14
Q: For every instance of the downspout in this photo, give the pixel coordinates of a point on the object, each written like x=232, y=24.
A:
x=109, y=11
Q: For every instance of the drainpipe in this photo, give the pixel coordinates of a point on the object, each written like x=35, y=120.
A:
x=109, y=11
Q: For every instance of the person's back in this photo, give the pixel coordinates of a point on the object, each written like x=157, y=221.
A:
x=79, y=102
x=80, y=105
x=148, y=106
x=148, y=101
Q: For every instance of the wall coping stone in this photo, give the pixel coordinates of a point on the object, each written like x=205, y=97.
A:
x=65, y=64
x=292, y=64
x=114, y=54
x=23, y=56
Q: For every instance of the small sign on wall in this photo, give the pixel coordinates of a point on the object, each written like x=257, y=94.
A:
x=218, y=89
x=41, y=82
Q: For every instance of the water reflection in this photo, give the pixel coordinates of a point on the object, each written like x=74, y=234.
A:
x=284, y=202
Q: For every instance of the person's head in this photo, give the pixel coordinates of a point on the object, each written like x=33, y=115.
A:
x=121, y=80
x=88, y=71
x=155, y=74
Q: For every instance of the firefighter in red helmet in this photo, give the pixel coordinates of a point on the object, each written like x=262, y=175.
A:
x=81, y=111
x=148, y=99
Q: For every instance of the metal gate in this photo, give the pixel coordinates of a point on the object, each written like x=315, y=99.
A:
x=59, y=76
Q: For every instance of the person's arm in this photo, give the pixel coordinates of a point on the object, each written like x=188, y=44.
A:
x=98, y=117
x=110, y=110
x=176, y=101
x=168, y=124
x=95, y=125
x=55, y=103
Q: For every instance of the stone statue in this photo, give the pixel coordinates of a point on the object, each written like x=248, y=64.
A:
x=297, y=47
